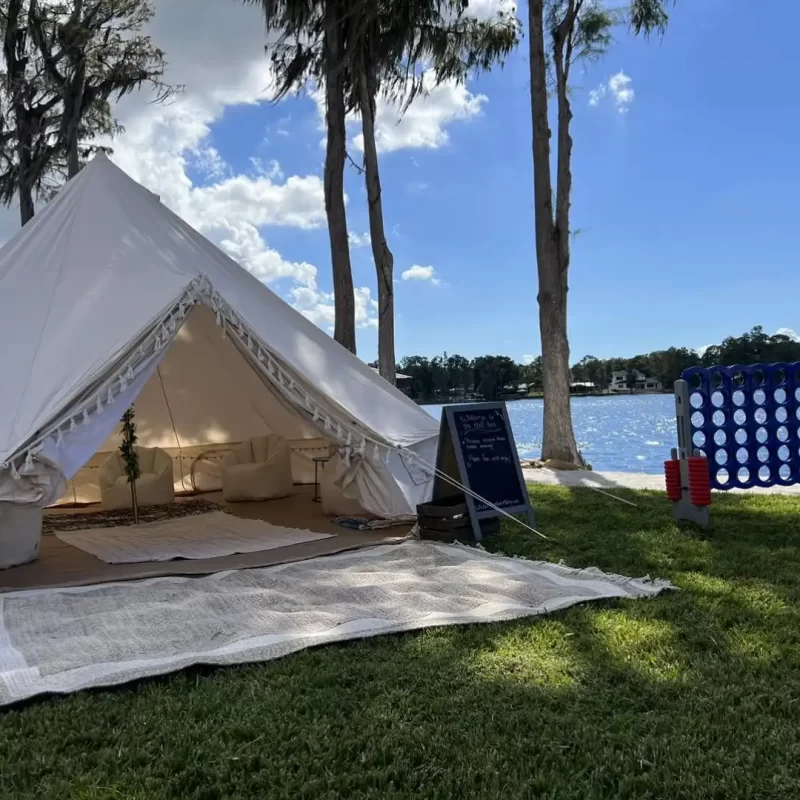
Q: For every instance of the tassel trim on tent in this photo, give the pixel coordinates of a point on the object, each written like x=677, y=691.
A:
x=351, y=440
x=161, y=335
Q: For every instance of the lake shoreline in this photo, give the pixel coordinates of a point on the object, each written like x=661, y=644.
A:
x=631, y=433
x=587, y=395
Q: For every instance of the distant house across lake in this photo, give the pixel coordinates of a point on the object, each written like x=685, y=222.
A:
x=619, y=382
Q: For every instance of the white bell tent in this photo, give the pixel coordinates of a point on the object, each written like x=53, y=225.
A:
x=107, y=297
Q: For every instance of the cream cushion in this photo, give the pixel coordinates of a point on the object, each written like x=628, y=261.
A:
x=257, y=469
x=334, y=503
x=20, y=534
x=153, y=487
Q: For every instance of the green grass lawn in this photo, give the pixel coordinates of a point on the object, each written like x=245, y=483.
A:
x=694, y=694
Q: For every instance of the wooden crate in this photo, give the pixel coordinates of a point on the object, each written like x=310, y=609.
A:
x=447, y=520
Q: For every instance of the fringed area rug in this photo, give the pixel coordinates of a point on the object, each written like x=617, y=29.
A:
x=62, y=640
x=202, y=536
x=54, y=521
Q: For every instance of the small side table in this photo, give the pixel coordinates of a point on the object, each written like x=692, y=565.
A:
x=317, y=461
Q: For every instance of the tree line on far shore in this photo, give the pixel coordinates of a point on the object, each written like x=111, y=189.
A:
x=490, y=377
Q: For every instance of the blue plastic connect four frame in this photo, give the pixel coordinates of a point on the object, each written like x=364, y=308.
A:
x=746, y=421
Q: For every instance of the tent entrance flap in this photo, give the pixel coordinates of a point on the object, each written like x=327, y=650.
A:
x=203, y=398
x=193, y=386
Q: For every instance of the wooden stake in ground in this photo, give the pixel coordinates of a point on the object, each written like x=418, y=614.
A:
x=131, y=459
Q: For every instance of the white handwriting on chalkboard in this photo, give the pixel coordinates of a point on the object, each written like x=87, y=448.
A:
x=479, y=423
x=489, y=458
x=486, y=458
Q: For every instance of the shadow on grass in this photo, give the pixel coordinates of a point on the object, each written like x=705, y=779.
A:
x=692, y=694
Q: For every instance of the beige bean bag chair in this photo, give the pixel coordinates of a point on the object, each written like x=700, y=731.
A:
x=334, y=503
x=20, y=534
x=257, y=469
x=153, y=487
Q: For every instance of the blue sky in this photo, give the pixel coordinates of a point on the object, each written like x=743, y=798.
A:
x=683, y=203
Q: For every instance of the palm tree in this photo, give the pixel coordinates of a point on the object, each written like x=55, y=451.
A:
x=386, y=45
x=358, y=50
x=561, y=33
x=311, y=43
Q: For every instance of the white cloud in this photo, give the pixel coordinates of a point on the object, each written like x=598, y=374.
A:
x=359, y=239
x=620, y=90
x=528, y=358
x=788, y=332
x=319, y=307
x=425, y=123
x=210, y=163
x=488, y=9
x=596, y=95
x=620, y=87
x=701, y=351
x=244, y=244
x=283, y=126
x=163, y=142
x=421, y=273
x=271, y=170
x=298, y=202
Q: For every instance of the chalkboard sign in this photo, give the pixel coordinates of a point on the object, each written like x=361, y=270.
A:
x=477, y=449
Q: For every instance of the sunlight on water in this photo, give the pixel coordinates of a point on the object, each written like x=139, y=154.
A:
x=622, y=433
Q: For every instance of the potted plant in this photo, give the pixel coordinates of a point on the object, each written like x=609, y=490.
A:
x=130, y=458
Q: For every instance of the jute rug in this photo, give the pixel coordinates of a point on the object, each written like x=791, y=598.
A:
x=201, y=536
x=55, y=521
x=62, y=640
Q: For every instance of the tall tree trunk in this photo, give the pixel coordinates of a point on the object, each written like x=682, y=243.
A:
x=559, y=436
x=73, y=103
x=384, y=261
x=25, y=174
x=26, y=208
x=14, y=55
x=73, y=106
x=73, y=157
x=344, y=299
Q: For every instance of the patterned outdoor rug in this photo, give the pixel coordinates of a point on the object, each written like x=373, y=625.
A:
x=62, y=640
x=53, y=522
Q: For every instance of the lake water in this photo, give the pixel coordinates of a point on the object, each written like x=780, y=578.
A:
x=622, y=433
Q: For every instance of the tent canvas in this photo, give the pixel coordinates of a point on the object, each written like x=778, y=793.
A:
x=202, y=398
x=107, y=297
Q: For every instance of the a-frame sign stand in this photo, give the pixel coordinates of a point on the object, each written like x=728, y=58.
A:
x=477, y=449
